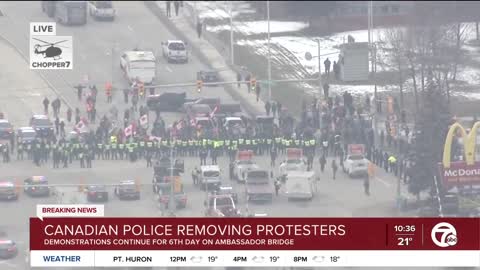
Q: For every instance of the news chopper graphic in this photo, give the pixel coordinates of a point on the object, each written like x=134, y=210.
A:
x=52, y=51
x=47, y=50
x=447, y=233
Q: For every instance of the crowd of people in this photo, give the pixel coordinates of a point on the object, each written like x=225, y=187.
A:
x=325, y=129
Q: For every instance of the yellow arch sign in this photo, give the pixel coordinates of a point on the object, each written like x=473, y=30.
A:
x=468, y=143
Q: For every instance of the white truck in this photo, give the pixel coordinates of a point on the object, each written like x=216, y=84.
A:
x=139, y=66
x=300, y=185
x=175, y=51
x=209, y=177
x=243, y=164
x=294, y=162
x=355, y=163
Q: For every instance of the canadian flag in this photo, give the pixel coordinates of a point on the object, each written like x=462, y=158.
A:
x=144, y=121
x=81, y=127
x=192, y=122
x=214, y=111
x=128, y=131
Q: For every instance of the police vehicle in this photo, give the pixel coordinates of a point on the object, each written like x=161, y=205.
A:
x=7, y=191
x=36, y=186
x=127, y=189
x=8, y=249
x=97, y=193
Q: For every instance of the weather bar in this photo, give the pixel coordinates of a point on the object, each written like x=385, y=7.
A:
x=263, y=242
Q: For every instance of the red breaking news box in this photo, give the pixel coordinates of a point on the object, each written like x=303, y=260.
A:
x=255, y=234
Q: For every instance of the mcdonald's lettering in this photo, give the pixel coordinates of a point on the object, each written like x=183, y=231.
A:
x=460, y=172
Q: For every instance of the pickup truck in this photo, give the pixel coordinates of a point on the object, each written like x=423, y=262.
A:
x=180, y=198
x=163, y=169
x=221, y=206
x=175, y=51
x=258, y=187
x=355, y=163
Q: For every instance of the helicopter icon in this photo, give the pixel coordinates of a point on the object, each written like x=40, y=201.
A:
x=53, y=51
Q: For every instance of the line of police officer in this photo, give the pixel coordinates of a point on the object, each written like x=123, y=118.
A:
x=135, y=148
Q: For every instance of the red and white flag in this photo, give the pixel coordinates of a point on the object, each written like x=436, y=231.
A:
x=179, y=125
x=214, y=111
x=192, y=122
x=81, y=126
x=128, y=131
x=144, y=121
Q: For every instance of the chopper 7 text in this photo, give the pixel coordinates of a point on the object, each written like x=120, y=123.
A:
x=52, y=51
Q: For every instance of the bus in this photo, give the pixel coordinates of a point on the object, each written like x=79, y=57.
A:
x=71, y=12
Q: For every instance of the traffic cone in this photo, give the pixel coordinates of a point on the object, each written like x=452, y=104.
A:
x=81, y=187
x=18, y=187
x=137, y=184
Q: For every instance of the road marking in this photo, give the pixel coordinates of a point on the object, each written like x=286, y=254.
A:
x=168, y=69
x=383, y=181
x=130, y=28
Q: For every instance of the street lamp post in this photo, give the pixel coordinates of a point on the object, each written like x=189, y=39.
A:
x=269, y=54
x=171, y=203
x=309, y=57
x=232, y=56
x=320, y=85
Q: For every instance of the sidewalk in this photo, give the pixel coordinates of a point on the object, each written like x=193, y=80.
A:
x=183, y=27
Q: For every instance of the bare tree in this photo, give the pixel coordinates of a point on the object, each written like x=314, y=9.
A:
x=393, y=45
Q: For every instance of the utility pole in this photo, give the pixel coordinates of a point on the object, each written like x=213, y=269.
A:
x=370, y=26
x=232, y=56
x=320, y=85
x=269, y=55
x=171, y=203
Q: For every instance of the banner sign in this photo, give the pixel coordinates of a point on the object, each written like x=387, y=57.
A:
x=460, y=173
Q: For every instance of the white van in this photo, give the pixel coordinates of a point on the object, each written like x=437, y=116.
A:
x=175, y=51
x=300, y=185
x=141, y=65
x=101, y=10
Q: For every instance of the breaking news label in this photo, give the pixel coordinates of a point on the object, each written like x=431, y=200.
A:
x=95, y=241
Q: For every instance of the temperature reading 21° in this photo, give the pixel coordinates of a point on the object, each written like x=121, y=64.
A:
x=404, y=241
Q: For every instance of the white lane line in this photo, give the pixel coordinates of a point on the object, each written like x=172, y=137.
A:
x=383, y=182
x=168, y=69
x=130, y=28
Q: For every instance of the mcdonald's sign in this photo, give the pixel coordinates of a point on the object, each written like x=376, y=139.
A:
x=459, y=173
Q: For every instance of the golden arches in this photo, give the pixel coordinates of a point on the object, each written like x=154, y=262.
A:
x=469, y=141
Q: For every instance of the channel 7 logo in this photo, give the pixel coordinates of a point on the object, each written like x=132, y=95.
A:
x=447, y=234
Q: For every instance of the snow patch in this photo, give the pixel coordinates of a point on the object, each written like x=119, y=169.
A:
x=220, y=10
x=260, y=27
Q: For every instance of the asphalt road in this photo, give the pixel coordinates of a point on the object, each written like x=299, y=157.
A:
x=93, y=47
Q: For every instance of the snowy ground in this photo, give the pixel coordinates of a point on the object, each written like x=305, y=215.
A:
x=288, y=49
